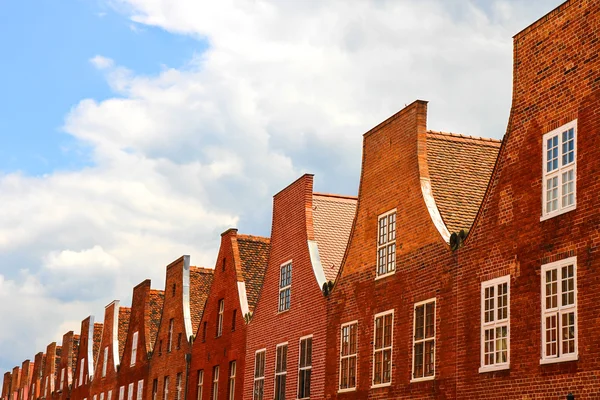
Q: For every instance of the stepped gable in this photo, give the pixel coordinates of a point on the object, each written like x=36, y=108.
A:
x=254, y=256
x=124, y=315
x=460, y=168
x=200, y=281
x=332, y=222
x=153, y=314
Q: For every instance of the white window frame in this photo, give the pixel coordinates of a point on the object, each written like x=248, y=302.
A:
x=81, y=365
x=134, y=345
x=559, y=171
x=62, y=378
x=220, y=317
x=170, y=341
x=121, y=392
x=200, y=384
x=415, y=342
x=129, y=391
x=109, y=395
x=496, y=323
x=348, y=357
x=166, y=388
x=232, y=374
x=280, y=373
x=215, y=382
x=382, y=349
x=385, y=245
x=102, y=396
x=305, y=368
x=559, y=310
x=260, y=378
x=281, y=307
x=104, y=361
x=46, y=387
x=95, y=397
x=140, y=389
x=178, y=385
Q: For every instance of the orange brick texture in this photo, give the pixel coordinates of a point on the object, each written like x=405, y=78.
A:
x=35, y=391
x=49, y=372
x=103, y=382
x=84, y=370
x=68, y=363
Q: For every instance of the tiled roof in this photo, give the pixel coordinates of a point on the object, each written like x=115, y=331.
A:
x=57, y=360
x=460, y=168
x=124, y=314
x=332, y=221
x=97, y=339
x=200, y=281
x=254, y=256
x=74, y=352
x=152, y=317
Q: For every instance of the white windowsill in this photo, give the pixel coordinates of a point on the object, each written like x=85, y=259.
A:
x=557, y=213
x=493, y=368
x=347, y=390
x=381, y=385
x=385, y=275
x=424, y=379
x=570, y=357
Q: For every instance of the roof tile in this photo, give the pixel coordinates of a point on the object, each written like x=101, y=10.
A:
x=200, y=281
x=254, y=256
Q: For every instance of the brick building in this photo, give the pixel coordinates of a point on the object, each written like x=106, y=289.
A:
x=186, y=291
x=25, y=380
x=48, y=379
x=114, y=331
x=35, y=391
x=6, y=386
x=87, y=353
x=67, y=366
x=528, y=279
x=15, y=382
x=285, y=354
x=146, y=307
x=219, y=350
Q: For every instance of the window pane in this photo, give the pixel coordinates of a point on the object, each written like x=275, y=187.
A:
x=551, y=289
x=429, y=320
x=378, y=332
x=501, y=344
x=489, y=346
x=551, y=335
x=419, y=322
x=568, y=333
x=387, y=334
x=429, y=358
x=418, y=372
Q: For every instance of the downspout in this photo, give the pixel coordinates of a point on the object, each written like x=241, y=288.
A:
x=188, y=360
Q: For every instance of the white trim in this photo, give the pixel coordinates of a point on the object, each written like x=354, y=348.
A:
x=433, y=209
x=341, y=357
x=315, y=261
x=104, y=361
x=494, y=324
x=303, y=368
x=220, y=318
x=387, y=243
x=424, y=340
x=383, y=348
x=558, y=172
x=558, y=309
x=275, y=369
x=284, y=288
x=254, y=379
x=115, y=333
x=185, y=289
x=241, y=288
x=134, y=346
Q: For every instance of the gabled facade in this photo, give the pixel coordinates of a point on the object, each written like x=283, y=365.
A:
x=219, y=349
x=35, y=390
x=25, y=381
x=286, y=342
x=108, y=359
x=6, y=383
x=89, y=344
x=47, y=383
x=529, y=279
x=186, y=291
x=15, y=383
x=144, y=320
x=67, y=366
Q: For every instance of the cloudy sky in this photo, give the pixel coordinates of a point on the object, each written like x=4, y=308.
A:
x=135, y=131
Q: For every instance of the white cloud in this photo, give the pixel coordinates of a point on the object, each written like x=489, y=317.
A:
x=284, y=88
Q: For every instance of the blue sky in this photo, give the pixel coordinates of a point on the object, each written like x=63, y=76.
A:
x=45, y=71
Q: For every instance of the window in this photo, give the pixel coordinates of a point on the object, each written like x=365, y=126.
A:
x=348, y=350
x=223, y=265
x=179, y=341
x=305, y=368
x=204, y=332
x=154, y=389
x=495, y=301
x=560, y=170
x=179, y=388
x=46, y=388
x=220, y=317
x=424, y=341
x=233, y=320
x=170, y=339
x=109, y=395
x=166, y=388
x=215, y=383
x=280, y=371
x=81, y=364
x=382, y=351
x=95, y=397
x=140, y=389
x=101, y=396
x=160, y=347
x=134, y=345
x=121, y=392
x=173, y=287
x=62, y=378
x=259, y=374
x=232, y=371
x=285, y=286
x=130, y=391
x=104, y=361
x=200, y=384
x=559, y=311
x=386, y=244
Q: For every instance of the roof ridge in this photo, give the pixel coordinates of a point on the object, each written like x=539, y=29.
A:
x=338, y=196
x=254, y=238
x=202, y=270
x=157, y=291
x=462, y=136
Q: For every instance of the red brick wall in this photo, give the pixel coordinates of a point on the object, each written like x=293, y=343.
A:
x=393, y=166
x=69, y=350
x=36, y=379
x=15, y=382
x=47, y=382
x=291, y=229
x=26, y=374
x=102, y=384
x=231, y=345
x=80, y=389
x=139, y=371
x=556, y=80
x=6, y=386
